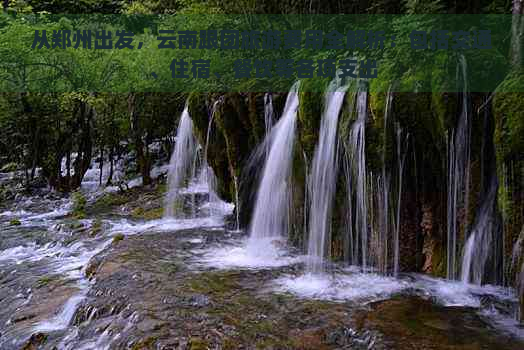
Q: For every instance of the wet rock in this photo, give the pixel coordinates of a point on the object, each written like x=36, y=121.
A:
x=35, y=342
x=149, y=325
x=414, y=323
x=15, y=222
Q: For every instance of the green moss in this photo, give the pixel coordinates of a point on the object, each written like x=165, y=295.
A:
x=75, y=225
x=110, y=200
x=309, y=114
x=9, y=167
x=46, y=280
x=117, y=238
x=150, y=214
x=15, y=222
x=96, y=228
x=161, y=188
x=214, y=283
x=218, y=159
x=36, y=341
x=196, y=343
x=168, y=268
x=197, y=103
x=79, y=205
x=508, y=109
x=257, y=123
x=145, y=344
x=438, y=261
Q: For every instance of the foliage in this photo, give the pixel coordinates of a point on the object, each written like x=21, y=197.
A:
x=79, y=204
x=43, y=129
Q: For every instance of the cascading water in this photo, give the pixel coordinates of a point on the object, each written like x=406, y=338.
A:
x=401, y=159
x=182, y=163
x=383, y=191
x=358, y=182
x=269, y=115
x=458, y=174
x=480, y=244
x=209, y=127
x=237, y=204
x=207, y=171
x=373, y=213
x=482, y=254
x=322, y=180
x=270, y=218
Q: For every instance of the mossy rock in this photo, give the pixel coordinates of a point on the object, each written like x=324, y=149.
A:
x=9, y=167
x=196, y=343
x=109, y=200
x=215, y=284
x=439, y=261
x=15, y=222
x=75, y=225
x=161, y=188
x=197, y=108
x=36, y=341
x=79, y=205
x=309, y=114
x=224, y=140
x=46, y=280
x=146, y=344
x=255, y=106
x=508, y=108
x=96, y=228
x=117, y=238
x=147, y=214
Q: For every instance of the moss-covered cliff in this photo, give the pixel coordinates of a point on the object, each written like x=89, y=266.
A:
x=422, y=122
x=508, y=109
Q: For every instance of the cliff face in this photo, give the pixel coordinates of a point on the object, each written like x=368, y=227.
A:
x=423, y=124
x=509, y=145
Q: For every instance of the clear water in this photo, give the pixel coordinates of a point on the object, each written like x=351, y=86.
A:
x=323, y=177
x=182, y=165
x=270, y=217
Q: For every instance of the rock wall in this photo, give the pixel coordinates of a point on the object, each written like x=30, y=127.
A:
x=426, y=117
x=508, y=110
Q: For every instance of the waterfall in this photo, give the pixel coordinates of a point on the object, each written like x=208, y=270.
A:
x=479, y=247
x=482, y=253
x=210, y=125
x=207, y=172
x=268, y=116
x=237, y=204
x=322, y=180
x=373, y=215
x=383, y=190
x=270, y=218
x=358, y=183
x=182, y=163
x=401, y=159
x=458, y=174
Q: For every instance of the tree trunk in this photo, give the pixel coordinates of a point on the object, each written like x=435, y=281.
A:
x=36, y=153
x=141, y=155
x=517, y=33
x=110, y=176
x=101, y=165
x=85, y=145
